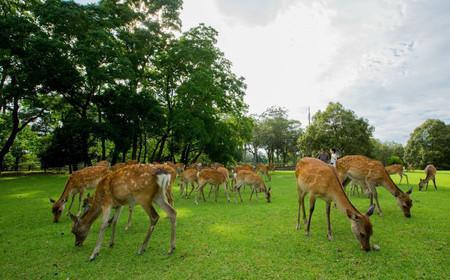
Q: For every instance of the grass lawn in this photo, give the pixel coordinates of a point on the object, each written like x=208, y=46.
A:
x=252, y=240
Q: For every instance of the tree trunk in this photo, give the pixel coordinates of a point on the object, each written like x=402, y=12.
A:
x=140, y=149
x=152, y=158
x=14, y=130
x=102, y=139
x=115, y=155
x=145, y=148
x=161, y=147
x=134, y=147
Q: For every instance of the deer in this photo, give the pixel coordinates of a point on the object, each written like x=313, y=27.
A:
x=318, y=179
x=371, y=173
x=225, y=173
x=140, y=183
x=264, y=170
x=189, y=176
x=246, y=177
x=213, y=177
x=430, y=174
x=88, y=201
x=78, y=182
x=243, y=167
x=397, y=169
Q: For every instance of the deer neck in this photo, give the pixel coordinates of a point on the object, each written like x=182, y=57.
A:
x=391, y=186
x=66, y=192
x=93, y=212
x=343, y=203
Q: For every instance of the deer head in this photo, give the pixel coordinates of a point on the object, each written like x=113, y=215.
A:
x=405, y=202
x=268, y=192
x=79, y=229
x=57, y=209
x=422, y=183
x=361, y=227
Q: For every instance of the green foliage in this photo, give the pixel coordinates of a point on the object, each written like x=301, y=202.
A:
x=387, y=152
x=277, y=135
x=429, y=144
x=253, y=240
x=339, y=128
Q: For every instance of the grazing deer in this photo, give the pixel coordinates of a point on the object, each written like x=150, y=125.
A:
x=189, y=176
x=140, y=183
x=372, y=174
x=430, y=173
x=246, y=177
x=397, y=169
x=319, y=179
x=264, y=170
x=213, y=177
x=179, y=168
x=225, y=173
x=86, y=178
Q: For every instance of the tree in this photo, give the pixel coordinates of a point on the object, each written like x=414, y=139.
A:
x=32, y=66
x=429, y=143
x=387, y=152
x=338, y=128
x=276, y=134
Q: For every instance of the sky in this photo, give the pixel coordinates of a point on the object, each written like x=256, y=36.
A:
x=387, y=60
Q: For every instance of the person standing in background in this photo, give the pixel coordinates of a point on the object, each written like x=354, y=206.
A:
x=333, y=159
x=324, y=156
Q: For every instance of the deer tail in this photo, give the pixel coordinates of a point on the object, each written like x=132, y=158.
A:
x=163, y=181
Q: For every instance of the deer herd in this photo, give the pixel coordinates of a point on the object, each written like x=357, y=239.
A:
x=132, y=183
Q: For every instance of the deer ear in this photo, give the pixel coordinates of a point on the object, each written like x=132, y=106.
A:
x=370, y=210
x=73, y=217
x=410, y=190
x=51, y=200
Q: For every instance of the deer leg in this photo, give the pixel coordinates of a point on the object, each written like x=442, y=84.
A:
x=300, y=201
x=114, y=223
x=239, y=191
x=80, y=199
x=101, y=234
x=375, y=195
x=130, y=214
x=303, y=207
x=203, y=194
x=226, y=192
x=199, y=189
x=172, y=214
x=251, y=195
x=268, y=175
x=427, y=185
x=154, y=217
x=210, y=189
x=216, y=192
x=329, y=234
x=71, y=203
x=192, y=189
x=434, y=183
x=406, y=176
x=312, y=203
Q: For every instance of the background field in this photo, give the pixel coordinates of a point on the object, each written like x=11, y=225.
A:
x=224, y=241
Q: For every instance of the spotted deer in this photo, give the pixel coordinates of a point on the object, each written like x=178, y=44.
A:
x=371, y=173
x=397, y=169
x=104, y=163
x=140, y=183
x=319, y=179
x=430, y=174
x=213, y=177
x=78, y=182
x=119, y=165
x=189, y=176
x=246, y=177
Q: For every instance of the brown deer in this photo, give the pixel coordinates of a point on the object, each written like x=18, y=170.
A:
x=140, y=183
x=225, y=173
x=213, y=177
x=189, y=176
x=246, y=177
x=319, y=179
x=78, y=182
x=371, y=173
x=243, y=167
x=264, y=170
x=397, y=169
x=430, y=174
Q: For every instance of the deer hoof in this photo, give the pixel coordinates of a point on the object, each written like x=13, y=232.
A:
x=171, y=250
x=93, y=256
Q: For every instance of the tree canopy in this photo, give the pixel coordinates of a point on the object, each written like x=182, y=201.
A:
x=429, y=143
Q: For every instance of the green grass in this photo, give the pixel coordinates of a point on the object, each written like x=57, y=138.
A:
x=253, y=240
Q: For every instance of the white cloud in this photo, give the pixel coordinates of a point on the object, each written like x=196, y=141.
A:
x=387, y=60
